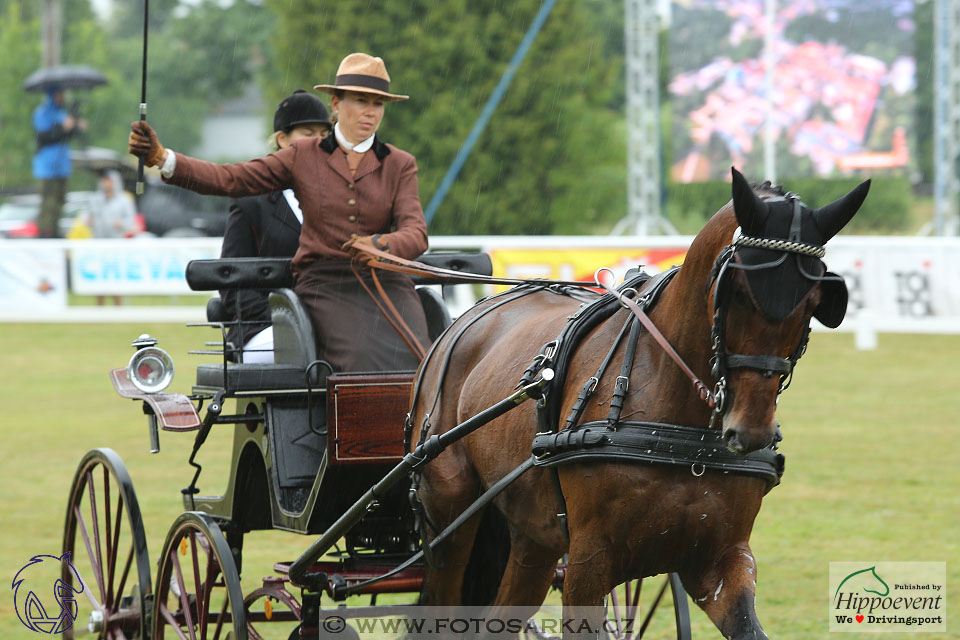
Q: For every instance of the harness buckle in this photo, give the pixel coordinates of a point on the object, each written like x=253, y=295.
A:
x=626, y=382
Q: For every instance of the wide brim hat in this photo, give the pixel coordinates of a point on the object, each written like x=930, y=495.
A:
x=362, y=73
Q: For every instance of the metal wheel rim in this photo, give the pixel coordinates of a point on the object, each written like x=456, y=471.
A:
x=116, y=562
x=206, y=550
x=279, y=594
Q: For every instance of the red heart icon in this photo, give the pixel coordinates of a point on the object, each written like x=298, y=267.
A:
x=859, y=618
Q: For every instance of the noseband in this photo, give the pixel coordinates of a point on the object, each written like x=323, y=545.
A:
x=722, y=361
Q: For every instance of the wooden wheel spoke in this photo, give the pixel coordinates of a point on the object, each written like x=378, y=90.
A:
x=125, y=572
x=165, y=612
x=221, y=618
x=113, y=550
x=96, y=534
x=86, y=541
x=615, y=605
x=213, y=570
x=184, y=600
x=653, y=608
x=202, y=588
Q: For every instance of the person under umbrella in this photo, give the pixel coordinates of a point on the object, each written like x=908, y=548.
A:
x=354, y=190
x=54, y=127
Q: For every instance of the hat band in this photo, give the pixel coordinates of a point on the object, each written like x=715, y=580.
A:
x=362, y=80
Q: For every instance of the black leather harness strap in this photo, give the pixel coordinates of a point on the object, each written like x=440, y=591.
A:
x=654, y=443
x=623, y=380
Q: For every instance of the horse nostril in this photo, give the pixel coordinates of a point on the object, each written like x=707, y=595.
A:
x=732, y=440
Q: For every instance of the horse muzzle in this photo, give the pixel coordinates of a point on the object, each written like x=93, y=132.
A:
x=744, y=438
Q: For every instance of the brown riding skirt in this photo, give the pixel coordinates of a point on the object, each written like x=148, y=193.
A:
x=352, y=333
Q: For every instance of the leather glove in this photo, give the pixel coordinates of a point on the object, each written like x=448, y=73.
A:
x=143, y=143
x=360, y=257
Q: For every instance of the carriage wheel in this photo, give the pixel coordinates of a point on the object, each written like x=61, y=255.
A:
x=629, y=618
x=198, y=588
x=270, y=604
x=104, y=536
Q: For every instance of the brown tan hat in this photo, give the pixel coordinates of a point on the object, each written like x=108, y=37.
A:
x=363, y=73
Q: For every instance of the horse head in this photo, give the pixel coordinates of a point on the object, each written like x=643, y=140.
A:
x=765, y=287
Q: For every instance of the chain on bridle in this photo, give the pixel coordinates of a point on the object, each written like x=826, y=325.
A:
x=722, y=360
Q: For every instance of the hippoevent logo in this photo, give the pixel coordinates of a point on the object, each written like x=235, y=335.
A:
x=888, y=596
x=43, y=601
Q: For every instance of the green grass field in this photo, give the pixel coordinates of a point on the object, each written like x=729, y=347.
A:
x=870, y=440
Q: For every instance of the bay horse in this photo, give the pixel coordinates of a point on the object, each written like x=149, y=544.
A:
x=626, y=520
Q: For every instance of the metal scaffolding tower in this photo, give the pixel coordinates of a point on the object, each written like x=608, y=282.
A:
x=643, y=122
x=946, y=111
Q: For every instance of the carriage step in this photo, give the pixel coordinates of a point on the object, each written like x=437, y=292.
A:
x=323, y=576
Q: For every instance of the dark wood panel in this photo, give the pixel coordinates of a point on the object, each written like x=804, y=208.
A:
x=365, y=415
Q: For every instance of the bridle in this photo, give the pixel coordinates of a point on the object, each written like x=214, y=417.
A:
x=721, y=360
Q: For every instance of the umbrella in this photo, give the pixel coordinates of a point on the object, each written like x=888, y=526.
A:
x=65, y=77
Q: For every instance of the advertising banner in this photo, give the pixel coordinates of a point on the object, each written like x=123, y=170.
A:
x=136, y=267
x=33, y=276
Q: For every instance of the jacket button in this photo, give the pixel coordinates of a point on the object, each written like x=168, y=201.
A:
x=350, y=186
x=352, y=218
x=353, y=235
x=351, y=202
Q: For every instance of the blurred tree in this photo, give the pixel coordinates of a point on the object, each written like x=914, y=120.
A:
x=20, y=42
x=200, y=55
x=552, y=159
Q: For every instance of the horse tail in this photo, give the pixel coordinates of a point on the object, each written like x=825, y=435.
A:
x=488, y=560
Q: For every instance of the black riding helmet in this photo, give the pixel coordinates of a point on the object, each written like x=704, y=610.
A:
x=300, y=108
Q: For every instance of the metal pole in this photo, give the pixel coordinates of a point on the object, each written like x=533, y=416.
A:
x=50, y=30
x=769, y=60
x=424, y=453
x=488, y=110
x=941, y=92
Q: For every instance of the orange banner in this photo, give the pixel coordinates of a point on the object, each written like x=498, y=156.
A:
x=581, y=264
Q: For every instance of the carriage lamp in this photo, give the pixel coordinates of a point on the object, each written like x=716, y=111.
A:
x=151, y=368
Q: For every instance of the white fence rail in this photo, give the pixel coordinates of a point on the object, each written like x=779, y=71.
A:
x=897, y=284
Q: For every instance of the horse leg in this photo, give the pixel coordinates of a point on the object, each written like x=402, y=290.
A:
x=530, y=570
x=726, y=593
x=588, y=580
x=448, y=487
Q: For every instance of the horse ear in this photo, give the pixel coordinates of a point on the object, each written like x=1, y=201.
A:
x=747, y=206
x=833, y=302
x=832, y=217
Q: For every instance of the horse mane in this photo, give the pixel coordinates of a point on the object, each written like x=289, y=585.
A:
x=766, y=188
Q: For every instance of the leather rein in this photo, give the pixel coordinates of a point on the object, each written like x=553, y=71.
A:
x=721, y=361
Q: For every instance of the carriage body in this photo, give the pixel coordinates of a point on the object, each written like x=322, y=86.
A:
x=309, y=446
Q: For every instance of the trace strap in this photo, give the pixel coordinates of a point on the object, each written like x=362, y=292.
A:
x=702, y=390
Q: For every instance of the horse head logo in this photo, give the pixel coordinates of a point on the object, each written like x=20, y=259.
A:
x=869, y=581
x=27, y=591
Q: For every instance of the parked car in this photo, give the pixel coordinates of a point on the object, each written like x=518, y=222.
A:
x=162, y=210
x=167, y=211
x=18, y=214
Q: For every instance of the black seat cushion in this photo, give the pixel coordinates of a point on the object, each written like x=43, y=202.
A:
x=253, y=377
x=438, y=317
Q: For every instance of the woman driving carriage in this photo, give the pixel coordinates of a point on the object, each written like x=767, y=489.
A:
x=354, y=190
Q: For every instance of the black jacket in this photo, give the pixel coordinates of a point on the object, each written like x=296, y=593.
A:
x=259, y=226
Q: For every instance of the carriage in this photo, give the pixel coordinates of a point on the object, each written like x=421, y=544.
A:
x=308, y=443
x=613, y=475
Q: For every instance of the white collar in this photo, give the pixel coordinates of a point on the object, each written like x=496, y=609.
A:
x=360, y=147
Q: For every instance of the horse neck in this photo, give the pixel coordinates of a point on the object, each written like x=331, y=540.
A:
x=684, y=315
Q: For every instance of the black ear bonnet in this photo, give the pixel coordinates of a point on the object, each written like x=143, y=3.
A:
x=779, y=279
